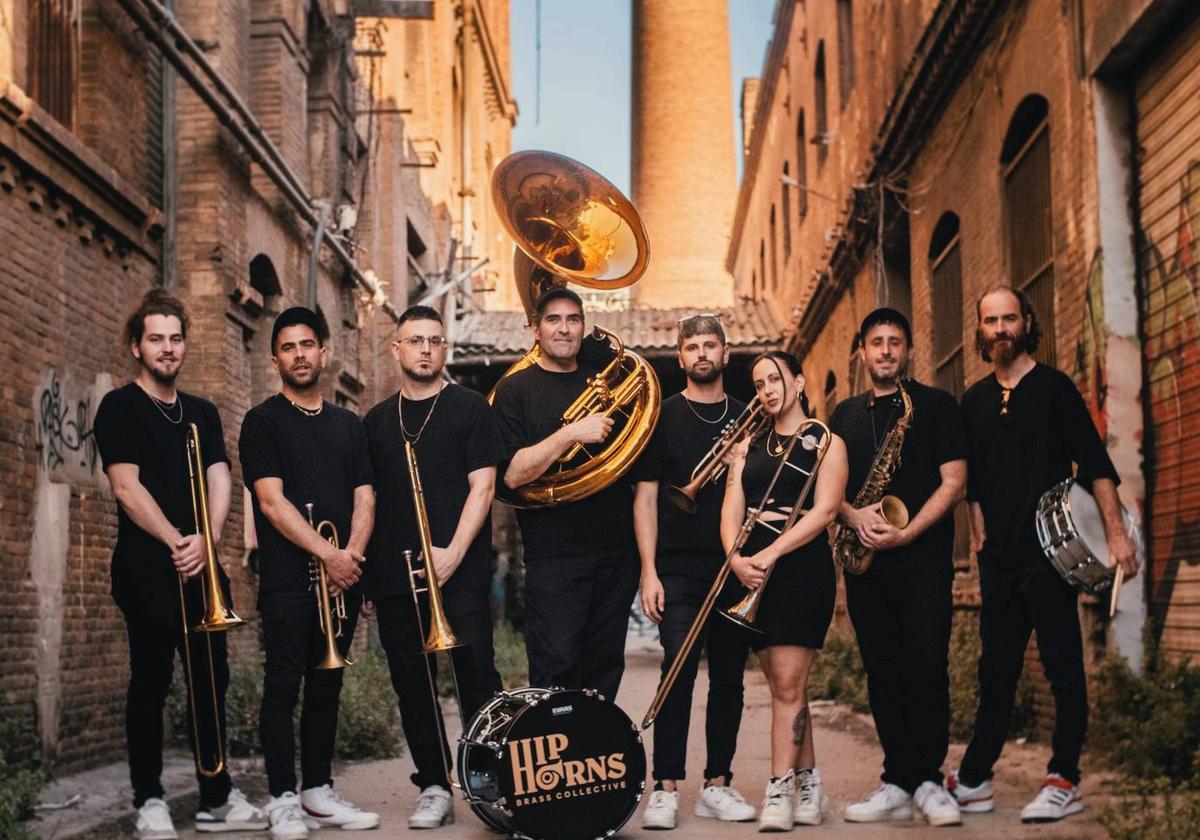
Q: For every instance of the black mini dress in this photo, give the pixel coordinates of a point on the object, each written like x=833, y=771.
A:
x=797, y=605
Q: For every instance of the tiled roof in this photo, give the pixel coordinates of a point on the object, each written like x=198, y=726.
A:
x=500, y=336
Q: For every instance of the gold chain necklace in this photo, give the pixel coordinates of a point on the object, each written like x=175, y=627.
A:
x=164, y=406
x=716, y=422
x=405, y=433
x=307, y=412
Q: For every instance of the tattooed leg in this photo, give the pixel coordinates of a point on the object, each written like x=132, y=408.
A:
x=800, y=726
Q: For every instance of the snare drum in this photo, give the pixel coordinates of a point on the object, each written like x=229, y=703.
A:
x=552, y=764
x=1071, y=532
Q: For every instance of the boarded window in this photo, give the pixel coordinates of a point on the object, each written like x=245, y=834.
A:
x=1026, y=166
x=945, y=269
x=845, y=44
x=774, y=252
x=819, y=102
x=787, y=214
x=762, y=262
x=54, y=56
x=801, y=167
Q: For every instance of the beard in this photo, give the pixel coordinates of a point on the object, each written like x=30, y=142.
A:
x=418, y=376
x=299, y=382
x=704, y=377
x=1004, y=351
x=160, y=375
x=897, y=374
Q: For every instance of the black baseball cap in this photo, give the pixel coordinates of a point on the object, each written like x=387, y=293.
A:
x=300, y=315
x=885, y=315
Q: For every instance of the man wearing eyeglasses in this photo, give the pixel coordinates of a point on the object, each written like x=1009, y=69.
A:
x=457, y=445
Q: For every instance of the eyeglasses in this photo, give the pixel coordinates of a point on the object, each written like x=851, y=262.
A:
x=436, y=342
x=712, y=316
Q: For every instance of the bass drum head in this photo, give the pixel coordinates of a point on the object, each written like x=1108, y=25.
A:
x=1088, y=524
x=572, y=767
x=479, y=765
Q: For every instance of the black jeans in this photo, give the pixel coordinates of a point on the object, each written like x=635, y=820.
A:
x=155, y=634
x=727, y=646
x=1017, y=602
x=294, y=646
x=576, y=618
x=469, y=614
x=902, y=621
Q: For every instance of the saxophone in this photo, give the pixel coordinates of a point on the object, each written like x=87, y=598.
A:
x=850, y=553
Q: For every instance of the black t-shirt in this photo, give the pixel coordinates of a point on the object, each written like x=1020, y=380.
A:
x=688, y=543
x=1016, y=456
x=130, y=429
x=529, y=407
x=321, y=459
x=460, y=437
x=935, y=436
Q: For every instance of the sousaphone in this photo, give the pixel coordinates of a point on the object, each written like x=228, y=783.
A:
x=570, y=225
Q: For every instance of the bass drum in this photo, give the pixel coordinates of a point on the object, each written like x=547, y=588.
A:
x=1070, y=530
x=552, y=764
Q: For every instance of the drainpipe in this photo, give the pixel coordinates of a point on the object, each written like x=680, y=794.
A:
x=168, y=267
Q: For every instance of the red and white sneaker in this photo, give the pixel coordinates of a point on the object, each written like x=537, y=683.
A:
x=324, y=806
x=979, y=799
x=1058, y=798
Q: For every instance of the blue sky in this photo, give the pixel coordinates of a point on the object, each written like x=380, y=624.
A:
x=585, y=76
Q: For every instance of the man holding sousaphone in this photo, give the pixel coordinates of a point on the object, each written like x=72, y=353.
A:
x=164, y=453
x=907, y=450
x=681, y=555
x=307, y=466
x=456, y=446
x=1027, y=425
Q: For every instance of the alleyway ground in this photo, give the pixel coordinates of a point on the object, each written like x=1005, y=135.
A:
x=847, y=753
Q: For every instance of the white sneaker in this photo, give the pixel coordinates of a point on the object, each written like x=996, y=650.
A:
x=936, y=803
x=154, y=821
x=661, y=810
x=776, y=812
x=971, y=800
x=724, y=803
x=237, y=814
x=326, y=807
x=887, y=802
x=810, y=798
x=286, y=818
x=1058, y=798
x=435, y=808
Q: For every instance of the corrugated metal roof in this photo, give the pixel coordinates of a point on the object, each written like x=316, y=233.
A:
x=496, y=336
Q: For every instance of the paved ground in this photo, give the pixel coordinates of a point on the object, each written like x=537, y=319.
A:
x=847, y=754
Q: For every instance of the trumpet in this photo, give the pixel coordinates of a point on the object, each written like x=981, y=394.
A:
x=330, y=610
x=440, y=637
x=748, y=425
x=217, y=614
x=751, y=519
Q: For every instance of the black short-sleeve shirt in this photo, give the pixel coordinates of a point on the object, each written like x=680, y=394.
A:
x=1021, y=447
x=688, y=543
x=321, y=459
x=935, y=436
x=459, y=437
x=529, y=405
x=130, y=429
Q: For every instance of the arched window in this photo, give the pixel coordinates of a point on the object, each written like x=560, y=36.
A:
x=845, y=45
x=1029, y=228
x=801, y=167
x=945, y=271
x=819, y=102
x=762, y=262
x=786, y=198
x=774, y=251
x=263, y=277
x=830, y=393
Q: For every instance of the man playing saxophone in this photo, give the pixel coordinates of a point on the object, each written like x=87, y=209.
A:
x=456, y=442
x=140, y=432
x=901, y=604
x=296, y=449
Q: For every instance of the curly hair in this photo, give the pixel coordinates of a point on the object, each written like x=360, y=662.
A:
x=157, y=301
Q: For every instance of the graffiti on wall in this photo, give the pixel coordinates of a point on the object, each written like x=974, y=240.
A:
x=1091, y=375
x=64, y=427
x=1171, y=274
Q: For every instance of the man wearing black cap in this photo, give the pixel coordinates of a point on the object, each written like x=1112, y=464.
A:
x=581, y=567
x=296, y=449
x=901, y=606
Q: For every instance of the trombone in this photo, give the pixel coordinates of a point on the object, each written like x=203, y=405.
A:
x=748, y=425
x=329, y=609
x=440, y=637
x=752, y=518
x=217, y=614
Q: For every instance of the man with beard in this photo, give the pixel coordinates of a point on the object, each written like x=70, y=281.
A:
x=901, y=606
x=581, y=571
x=297, y=450
x=141, y=432
x=1026, y=426
x=681, y=555
x=457, y=446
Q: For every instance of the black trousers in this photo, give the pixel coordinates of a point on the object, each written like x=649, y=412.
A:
x=576, y=618
x=902, y=621
x=294, y=646
x=1017, y=602
x=727, y=646
x=469, y=614
x=155, y=635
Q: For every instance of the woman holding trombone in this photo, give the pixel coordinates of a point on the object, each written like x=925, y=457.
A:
x=786, y=545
